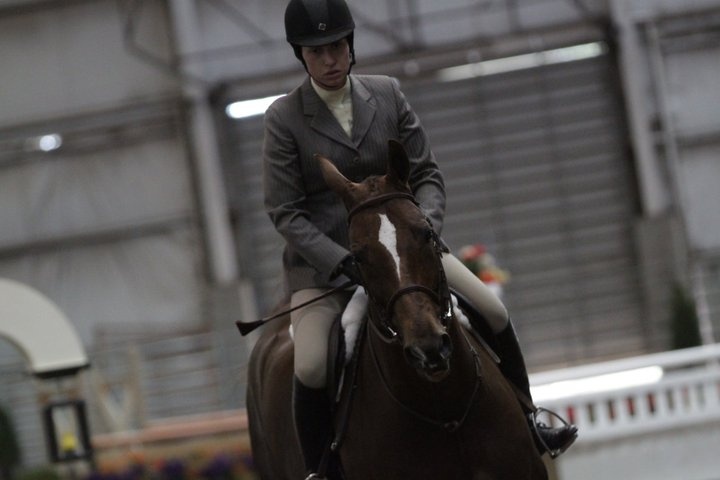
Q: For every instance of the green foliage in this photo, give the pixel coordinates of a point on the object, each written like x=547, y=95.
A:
x=684, y=323
x=40, y=473
x=9, y=446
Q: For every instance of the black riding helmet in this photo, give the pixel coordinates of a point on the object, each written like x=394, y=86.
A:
x=311, y=23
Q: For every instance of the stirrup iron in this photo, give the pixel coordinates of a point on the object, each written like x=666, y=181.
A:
x=536, y=424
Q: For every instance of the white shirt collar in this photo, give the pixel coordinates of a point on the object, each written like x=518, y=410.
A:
x=332, y=97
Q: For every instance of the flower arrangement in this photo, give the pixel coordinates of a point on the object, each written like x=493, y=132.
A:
x=482, y=263
x=221, y=465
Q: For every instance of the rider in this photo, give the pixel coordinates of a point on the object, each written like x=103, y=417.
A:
x=349, y=118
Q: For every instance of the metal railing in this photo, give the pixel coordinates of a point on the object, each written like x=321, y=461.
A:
x=637, y=395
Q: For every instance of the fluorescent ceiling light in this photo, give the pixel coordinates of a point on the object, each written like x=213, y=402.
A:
x=249, y=108
x=48, y=143
x=596, y=384
x=521, y=62
x=44, y=143
x=257, y=106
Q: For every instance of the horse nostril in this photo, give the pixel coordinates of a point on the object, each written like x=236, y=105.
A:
x=415, y=355
x=446, y=346
x=432, y=354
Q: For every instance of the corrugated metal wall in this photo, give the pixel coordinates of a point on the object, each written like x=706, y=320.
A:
x=18, y=397
x=106, y=227
x=259, y=245
x=537, y=170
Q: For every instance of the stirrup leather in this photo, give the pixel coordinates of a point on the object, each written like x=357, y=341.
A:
x=537, y=424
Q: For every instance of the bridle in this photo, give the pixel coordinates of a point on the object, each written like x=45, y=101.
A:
x=388, y=334
x=441, y=295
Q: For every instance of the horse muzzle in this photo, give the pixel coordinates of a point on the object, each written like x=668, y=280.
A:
x=430, y=357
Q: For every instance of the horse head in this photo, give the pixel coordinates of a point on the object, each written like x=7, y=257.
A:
x=398, y=255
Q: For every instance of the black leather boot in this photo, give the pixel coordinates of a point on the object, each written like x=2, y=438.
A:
x=313, y=424
x=512, y=364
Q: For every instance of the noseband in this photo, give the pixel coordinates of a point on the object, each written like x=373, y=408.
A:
x=441, y=296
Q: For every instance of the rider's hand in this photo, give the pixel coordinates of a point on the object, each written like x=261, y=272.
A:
x=349, y=268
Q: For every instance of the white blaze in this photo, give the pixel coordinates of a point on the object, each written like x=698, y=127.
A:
x=387, y=235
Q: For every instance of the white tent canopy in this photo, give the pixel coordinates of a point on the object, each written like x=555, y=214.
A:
x=40, y=330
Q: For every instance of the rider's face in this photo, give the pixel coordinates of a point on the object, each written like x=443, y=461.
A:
x=328, y=64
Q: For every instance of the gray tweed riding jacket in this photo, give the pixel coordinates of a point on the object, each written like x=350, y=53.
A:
x=309, y=215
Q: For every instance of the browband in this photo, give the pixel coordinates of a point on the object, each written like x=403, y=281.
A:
x=380, y=199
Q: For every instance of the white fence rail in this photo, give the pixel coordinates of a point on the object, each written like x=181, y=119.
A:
x=637, y=395
x=655, y=417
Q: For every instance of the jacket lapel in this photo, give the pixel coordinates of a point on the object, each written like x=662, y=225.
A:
x=323, y=120
x=363, y=111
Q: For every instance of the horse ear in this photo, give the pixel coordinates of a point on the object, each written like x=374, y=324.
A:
x=398, y=162
x=337, y=182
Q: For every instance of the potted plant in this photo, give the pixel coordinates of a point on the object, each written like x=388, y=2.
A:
x=684, y=322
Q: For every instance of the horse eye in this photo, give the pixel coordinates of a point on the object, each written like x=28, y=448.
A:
x=421, y=231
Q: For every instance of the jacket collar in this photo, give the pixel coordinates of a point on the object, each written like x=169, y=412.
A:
x=363, y=110
x=325, y=123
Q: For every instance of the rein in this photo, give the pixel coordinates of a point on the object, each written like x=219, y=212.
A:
x=449, y=426
x=388, y=333
x=441, y=296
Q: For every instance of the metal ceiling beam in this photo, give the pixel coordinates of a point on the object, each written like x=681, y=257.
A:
x=54, y=244
x=16, y=7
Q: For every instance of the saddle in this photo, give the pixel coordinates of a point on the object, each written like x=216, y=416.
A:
x=336, y=359
x=343, y=340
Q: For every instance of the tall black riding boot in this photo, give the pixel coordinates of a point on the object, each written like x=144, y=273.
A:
x=512, y=365
x=313, y=423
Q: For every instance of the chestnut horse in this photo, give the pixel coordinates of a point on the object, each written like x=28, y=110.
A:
x=426, y=400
